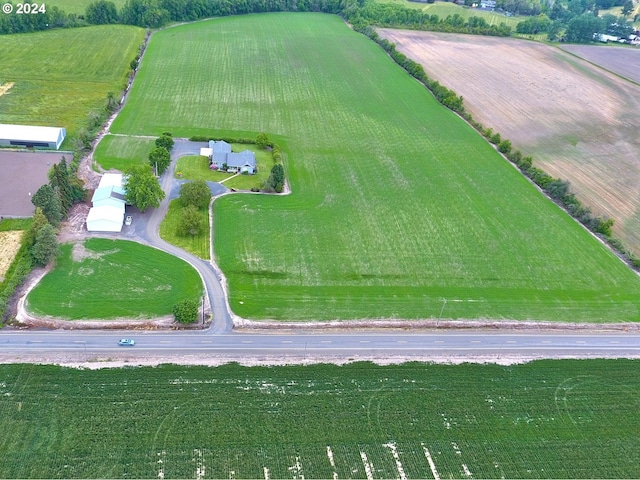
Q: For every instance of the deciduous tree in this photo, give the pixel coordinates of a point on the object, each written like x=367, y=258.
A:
x=142, y=187
x=190, y=222
x=195, y=193
x=160, y=159
x=186, y=311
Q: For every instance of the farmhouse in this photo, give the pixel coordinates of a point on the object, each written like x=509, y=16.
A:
x=31, y=136
x=222, y=158
x=107, y=213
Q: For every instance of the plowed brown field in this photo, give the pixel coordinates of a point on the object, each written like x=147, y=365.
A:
x=578, y=121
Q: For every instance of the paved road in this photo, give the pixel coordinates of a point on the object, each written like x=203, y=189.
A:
x=242, y=346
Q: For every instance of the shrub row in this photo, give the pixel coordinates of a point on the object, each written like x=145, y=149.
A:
x=558, y=190
x=18, y=271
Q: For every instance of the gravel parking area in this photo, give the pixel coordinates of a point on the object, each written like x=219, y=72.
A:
x=21, y=175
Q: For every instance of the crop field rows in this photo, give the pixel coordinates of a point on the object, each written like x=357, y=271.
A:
x=546, y=419
x=397, y=207
x=60, y=76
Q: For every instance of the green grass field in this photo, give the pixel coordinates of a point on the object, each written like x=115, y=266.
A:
x=114, y=279
x=61, y=76
x=399, y=209
x=547, y=419
x=122, y=152
x=198, y=245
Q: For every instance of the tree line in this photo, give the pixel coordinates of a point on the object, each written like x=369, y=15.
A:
x=395, y=15
x=157, y=13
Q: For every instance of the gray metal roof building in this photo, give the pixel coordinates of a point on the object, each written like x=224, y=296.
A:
x=31, y=136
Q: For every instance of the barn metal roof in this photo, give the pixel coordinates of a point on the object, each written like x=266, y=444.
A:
x=31, y=133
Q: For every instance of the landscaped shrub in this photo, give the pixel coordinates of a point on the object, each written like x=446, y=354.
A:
x=186, y=311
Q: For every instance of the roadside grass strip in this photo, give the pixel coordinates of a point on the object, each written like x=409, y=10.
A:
x=120, y=152
x=398, y=208
x=111, y=279
x=546, y=419
x=60, y=76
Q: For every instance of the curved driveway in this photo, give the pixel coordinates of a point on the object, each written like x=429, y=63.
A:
x=210, y=277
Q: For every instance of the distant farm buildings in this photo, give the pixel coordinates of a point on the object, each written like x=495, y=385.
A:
x=107, y=213
x=31, y=136
x=222, y=158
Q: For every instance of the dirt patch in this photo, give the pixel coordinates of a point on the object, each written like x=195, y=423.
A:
x=578, y=121
x=79, y=252
x=23, y=173
x=5, y=88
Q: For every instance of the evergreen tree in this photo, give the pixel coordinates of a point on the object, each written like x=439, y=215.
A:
x=45, y=248
x=47, y=199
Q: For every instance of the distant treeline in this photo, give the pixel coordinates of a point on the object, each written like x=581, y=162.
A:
x=393, y=15
x=157, y=13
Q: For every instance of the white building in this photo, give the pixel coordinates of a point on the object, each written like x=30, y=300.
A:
x=107, y=213
x=31, y=136
x=105, y=219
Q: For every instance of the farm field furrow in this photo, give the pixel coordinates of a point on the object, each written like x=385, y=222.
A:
x=60, y=76
x=545, y=419
x=398, y=208
x=579, y=122
x=621, y=60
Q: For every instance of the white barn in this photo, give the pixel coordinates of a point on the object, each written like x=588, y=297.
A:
x=105, y=219
x=31, y=136
x=107, y=213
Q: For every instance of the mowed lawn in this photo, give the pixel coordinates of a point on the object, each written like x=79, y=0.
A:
x=121, y=152
x=547, y=419
x=399, y=209
x=110, y=279
x=60, y=76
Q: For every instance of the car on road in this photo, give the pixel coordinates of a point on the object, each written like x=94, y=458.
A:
x=126, y=342
x=128, y=220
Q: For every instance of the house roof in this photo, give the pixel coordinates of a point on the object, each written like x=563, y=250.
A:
x=219, y=146
x=206, y=152
x=241, y=159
